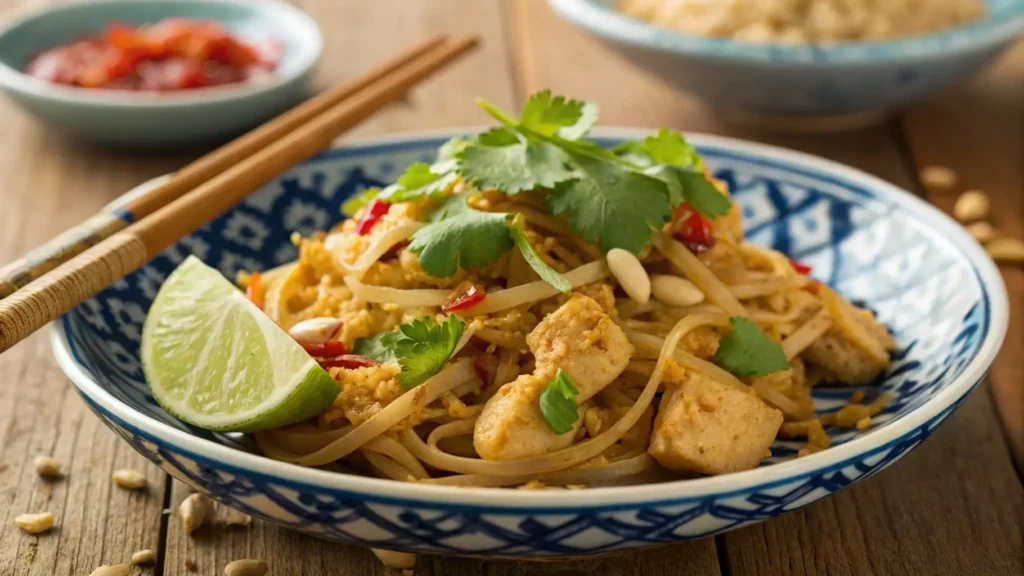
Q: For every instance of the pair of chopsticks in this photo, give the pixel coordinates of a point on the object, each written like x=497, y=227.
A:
x=55, y=278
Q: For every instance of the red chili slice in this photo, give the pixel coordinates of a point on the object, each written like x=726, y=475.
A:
x=696, y=232
x=254, y=291
x=373, y=213
x=464, y=298
x=800, y=267
x=349, y=361
x=329, y=349
x=480, y=367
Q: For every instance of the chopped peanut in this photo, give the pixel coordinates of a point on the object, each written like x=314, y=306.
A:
x=35, y=523
x=115, y=570
x=971, y=205
x=938, y=177
x=247, y=567
x=143, y=557
x=195, y=511
x=47, y=467
x=129, y=479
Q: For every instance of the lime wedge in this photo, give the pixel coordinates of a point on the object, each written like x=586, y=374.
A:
x=214, y=360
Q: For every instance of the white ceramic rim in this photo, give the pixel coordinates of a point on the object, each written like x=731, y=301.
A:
x=512, y=500
x=609, y=23
x=16, y=80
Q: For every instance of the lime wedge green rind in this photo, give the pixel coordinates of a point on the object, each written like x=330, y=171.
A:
x=216, y=361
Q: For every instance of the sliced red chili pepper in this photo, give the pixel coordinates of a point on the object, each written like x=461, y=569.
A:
x=254, y=291
x=464, y=297
x=800, y=267
x=349, y=361
x=329, y=349
x=394, y=250
x=696, y=232
x=480, y=367
x=373, y=213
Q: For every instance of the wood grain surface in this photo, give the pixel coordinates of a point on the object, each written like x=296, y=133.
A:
x=953, y=506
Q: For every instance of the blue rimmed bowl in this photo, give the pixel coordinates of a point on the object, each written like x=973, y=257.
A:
x=838, y=85
x=162, y=119
x=925, y=277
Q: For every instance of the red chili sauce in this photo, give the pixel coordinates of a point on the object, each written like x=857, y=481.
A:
x=173, y=54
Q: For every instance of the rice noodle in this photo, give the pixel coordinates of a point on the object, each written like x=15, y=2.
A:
x=425, y=298
x=536, y=291
x=508, y=370
x=387, y=467
x=588, y=475
x=447, y=379
x=806, y=335
x=573, y=455
x=837, y=309
x=768, y=286
x=695, y=270
x=383, y=243
x=778, y=399
x=457, y=428
x=646, y=343
x=394, y=450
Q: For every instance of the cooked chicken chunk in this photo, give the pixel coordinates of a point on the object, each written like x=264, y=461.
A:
x=511, y=425
x=581, y=339
x=844, y=361
x=713, y=428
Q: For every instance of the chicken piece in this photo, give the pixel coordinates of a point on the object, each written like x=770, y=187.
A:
x=511, y=425
x=581, y=339
x=844, y=361
x=713, y=428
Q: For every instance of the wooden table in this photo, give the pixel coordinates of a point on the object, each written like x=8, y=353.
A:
x=953, y=506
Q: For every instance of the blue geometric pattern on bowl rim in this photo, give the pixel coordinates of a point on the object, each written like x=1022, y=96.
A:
x=1003, y=21
x=935, y=288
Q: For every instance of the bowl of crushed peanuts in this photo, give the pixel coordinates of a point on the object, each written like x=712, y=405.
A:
x=827, y=64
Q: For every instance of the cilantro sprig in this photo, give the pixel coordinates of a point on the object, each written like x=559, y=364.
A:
x=421, y=347
x=547, y=273
x=558, y=403
x=747, y=350
x=460, y=237
x=612, y=197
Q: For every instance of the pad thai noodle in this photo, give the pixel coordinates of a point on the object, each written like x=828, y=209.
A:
x=534, y=310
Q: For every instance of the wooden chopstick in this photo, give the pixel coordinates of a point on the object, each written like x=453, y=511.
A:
x=81, y=277
x=74, y=241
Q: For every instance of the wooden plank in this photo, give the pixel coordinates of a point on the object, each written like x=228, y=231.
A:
x=47, y=184
x=978, y=130
x=913, y=518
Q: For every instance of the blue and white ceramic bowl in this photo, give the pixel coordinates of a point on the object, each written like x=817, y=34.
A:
x=928, y=280
x=168, y=118
x=842, y=82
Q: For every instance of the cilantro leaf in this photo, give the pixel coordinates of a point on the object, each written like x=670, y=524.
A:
x=460, y=237
x=616, y=206
x=360, y=201
x=669, y=147
x=500, y=159
x=686, y=184
x=547, y=273
x=421, y=347
x=555, y=115
x=747, y=350
x=380, y=347
x=421, y=181
x=668, y=157
x=425, y=347
x=450, y=149
x=633, y=151
x=558, y=403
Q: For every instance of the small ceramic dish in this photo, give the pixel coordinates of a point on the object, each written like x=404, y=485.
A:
x=159, y=118
x=925, y=277
x=803, y=86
